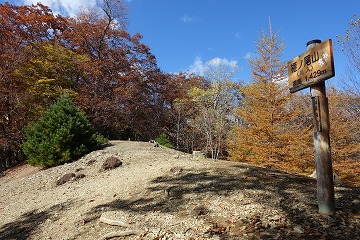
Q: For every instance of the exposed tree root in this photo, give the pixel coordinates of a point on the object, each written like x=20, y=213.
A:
x=118, y=234
x=113, y=222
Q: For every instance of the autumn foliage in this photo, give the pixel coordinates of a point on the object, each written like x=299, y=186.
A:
x=114, y=78
x=109, y=73
x=345, y=134
x=272, y=130
x=21, y=97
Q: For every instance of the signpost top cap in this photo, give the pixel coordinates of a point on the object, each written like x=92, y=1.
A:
x=313, y=41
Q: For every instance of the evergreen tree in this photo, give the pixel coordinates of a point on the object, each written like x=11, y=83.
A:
x=62, y=134
x=163, y=140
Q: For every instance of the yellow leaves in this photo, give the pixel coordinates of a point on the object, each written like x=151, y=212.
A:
x=46, y=71
x=213, y=114
x=344, y=125
x=277, y=130
x=45, y=81
x=196, y=92
x=268, y=129
x=348, y=171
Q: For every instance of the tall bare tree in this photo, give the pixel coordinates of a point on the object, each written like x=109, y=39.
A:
x=350, y=45
x=214, y=107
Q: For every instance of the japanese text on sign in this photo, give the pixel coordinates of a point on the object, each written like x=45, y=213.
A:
x=312, y=67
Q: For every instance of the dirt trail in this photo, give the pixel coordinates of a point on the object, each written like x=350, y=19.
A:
x=159, y=193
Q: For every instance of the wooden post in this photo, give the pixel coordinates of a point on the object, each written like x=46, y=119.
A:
x=324, y=172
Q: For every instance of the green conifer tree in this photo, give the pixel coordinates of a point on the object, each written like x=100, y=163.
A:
x=62, y=134
x=163, y=140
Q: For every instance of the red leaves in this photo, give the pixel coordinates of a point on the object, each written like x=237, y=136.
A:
x=113, y=76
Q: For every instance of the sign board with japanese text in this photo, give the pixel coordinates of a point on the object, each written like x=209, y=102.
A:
x=310, y=68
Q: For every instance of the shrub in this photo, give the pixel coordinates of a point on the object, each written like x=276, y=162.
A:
x=163, y=140
x=62, y=134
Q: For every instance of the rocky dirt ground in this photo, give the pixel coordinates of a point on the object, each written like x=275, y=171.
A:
x=159, y=193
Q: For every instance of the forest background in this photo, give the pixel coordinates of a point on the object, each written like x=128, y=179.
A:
x=113, y=77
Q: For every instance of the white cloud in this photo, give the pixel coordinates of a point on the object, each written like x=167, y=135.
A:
x=187, y=19
x=199, y=67
x=249, y=55
x=64, y=7
x=222, y=61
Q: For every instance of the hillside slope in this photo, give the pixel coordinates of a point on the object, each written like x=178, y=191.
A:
x=160, y=193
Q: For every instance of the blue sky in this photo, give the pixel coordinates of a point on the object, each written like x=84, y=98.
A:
x=185, y=34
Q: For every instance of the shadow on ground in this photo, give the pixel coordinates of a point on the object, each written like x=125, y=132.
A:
x=27, y=224
x=295, y=195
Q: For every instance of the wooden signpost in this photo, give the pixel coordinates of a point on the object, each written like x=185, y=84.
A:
x=311, y=69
